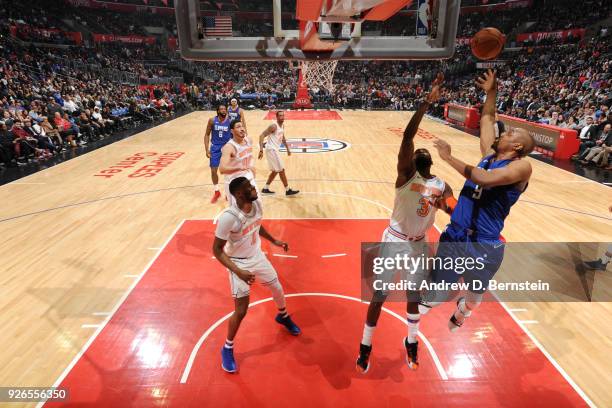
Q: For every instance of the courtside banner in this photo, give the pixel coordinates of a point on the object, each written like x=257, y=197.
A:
x=561, y=34
x=462, y=115
x=457, y=113
x=511, y=272
x=561, y=143
x=490, y=64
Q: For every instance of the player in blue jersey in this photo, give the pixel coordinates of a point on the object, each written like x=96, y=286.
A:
x=235, y=113
x=217, y=135
x=492, y=187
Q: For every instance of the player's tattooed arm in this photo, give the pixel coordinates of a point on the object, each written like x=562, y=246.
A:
x=225, y=260
x=265, y=234
x=207, y=137
x=447, y=202
x=516, y=172
x=488, y=83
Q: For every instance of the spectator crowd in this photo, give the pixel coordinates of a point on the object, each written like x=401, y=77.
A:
x=54, y=100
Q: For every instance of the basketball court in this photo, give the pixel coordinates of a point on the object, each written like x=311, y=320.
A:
x=111, y=289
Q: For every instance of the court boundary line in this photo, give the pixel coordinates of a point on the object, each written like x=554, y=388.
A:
x=208, y=332
x=112, y=313
x=350, y=196
x=548, y=356
x=267, y=112
x=159, y=190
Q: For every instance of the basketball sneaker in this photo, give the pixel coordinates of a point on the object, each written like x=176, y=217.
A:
x=267, y=191
x=291, y=192
x=215, y=197
x=411, y=354
x=288, y=323
x=597, y=265
x=227, y=360
x=363, y=360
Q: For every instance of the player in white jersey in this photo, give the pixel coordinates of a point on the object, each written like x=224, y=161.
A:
x=418, y=194
x=237, y=158
x=238, y=247
x=276, y=137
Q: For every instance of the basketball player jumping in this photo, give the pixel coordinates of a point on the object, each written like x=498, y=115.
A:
x=418, y=194
x=491, y=188
x=237, y=158
x=276, y=136
x=234, y=112
x=219, y=126
x=238, y=247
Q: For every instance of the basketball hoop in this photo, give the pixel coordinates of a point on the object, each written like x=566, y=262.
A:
x=319, y=73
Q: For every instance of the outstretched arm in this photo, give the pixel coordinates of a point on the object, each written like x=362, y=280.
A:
x=405, y=162
x=516, y=172
x=487, y=83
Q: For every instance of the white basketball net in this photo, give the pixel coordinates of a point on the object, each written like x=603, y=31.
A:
x=319, y=73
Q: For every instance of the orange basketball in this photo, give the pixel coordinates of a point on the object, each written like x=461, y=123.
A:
x=487, y=43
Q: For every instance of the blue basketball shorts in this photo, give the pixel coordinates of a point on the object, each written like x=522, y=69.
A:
x=215, y=155
x=476, y=260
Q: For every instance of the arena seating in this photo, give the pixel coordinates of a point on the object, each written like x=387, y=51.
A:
x=117, y=77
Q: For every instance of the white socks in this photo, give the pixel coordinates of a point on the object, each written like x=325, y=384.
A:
x=216, y=187
x=229, y=344
x=368, y=332
x=413, y=320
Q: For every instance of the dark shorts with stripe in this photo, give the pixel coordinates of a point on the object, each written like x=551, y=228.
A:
x=459, y=245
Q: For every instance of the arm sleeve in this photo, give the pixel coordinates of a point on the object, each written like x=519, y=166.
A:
x=225, y=225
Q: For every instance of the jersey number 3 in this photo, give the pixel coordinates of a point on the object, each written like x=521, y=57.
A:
x=425, y=207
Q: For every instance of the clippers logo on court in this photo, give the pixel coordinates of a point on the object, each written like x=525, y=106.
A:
x=314, y=145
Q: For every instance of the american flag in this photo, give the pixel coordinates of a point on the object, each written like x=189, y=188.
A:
x=218, y=26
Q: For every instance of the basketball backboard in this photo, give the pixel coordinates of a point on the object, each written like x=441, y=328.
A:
x=306, y=30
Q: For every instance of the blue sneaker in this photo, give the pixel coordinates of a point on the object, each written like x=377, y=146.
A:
x=288, y=323
x=227, y=360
